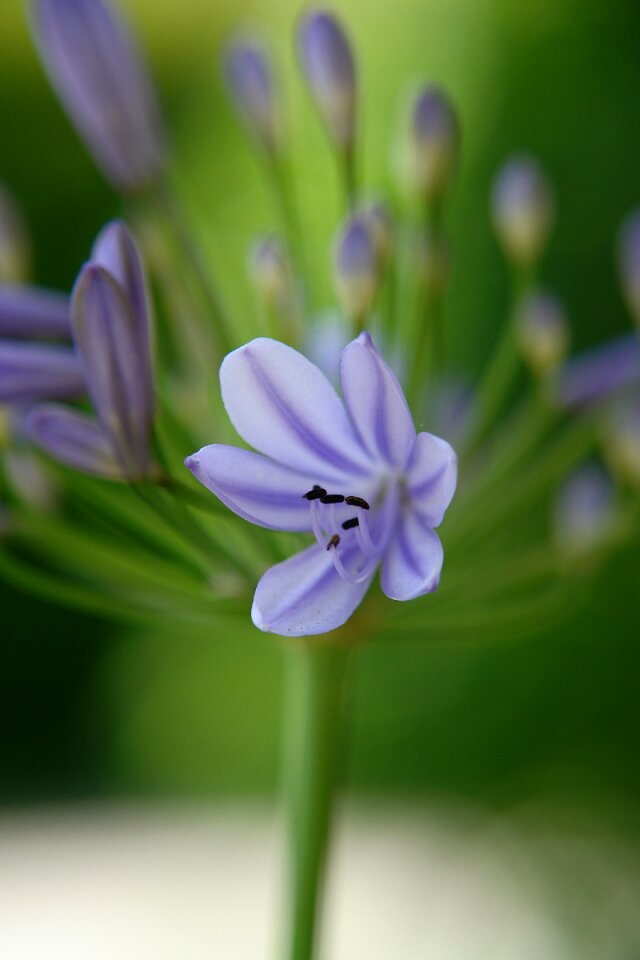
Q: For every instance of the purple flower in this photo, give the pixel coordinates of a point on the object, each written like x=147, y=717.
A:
x=354, y=473
x=597, y=374
x=250, y=81
x=27, y=312
x=96, y=69
x=31, y=373
x=327, y=62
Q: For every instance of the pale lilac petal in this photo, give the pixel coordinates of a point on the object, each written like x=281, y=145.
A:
x=282, y=405
x=376, y=403
x=74, y=438
x=33, y=312
x=255, y=487
x=413, y=560
x=596, y=374
x=432, y=474
x=106, y=336
x=116, y=250
x=304, y=596
x=30, y=373
x=97, y=71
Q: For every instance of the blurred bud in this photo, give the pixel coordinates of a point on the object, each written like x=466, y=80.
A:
x=30, y=480
x=251, y=85
x=378, y=218
x=629, y=263
x=328, y=65
x=31, y=373
x=74, y=438
x=600, y=373
x=434, y=262
x=584, y=514
x=15, y=254
x=621, y=441
x=431, y=148
x=96, y=69
x=270, y=272
x=31, y=312
x=543, y=332
x=356, y=268
x=522, y=208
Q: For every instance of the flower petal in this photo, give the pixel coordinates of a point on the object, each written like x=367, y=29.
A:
x=376, y=403
x=304, y=596
x=31, y=372
x=74, y=438
x=285, y=407
x=255, y=487
x=413, y=560
x=106, y=335
x=32, y=312
x=432, y=473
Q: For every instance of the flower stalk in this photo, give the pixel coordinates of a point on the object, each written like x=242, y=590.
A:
x=315, y=688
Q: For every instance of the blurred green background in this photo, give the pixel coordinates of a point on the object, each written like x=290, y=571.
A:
x=93, y=710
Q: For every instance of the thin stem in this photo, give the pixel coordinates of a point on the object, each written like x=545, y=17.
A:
x=315, y=684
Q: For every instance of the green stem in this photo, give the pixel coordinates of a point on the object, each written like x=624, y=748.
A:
x=315, y=684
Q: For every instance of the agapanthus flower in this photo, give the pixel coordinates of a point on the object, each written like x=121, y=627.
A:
x=352, y=471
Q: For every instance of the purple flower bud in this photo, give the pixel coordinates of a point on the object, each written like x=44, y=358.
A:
x=31, y=373
x=378, y=218
x=629, y=263
x=111, y=335
x=74, y=438
x=270, y=272
x=15, y=255
x=543, y=332
x=251, y=85
x=584, y=510
x=522, y=208
x=27, y=312
x=329, y=68
x=597, y=374
x=621, y=440
x=96, y=69
x=356, y=268
x=432, y=146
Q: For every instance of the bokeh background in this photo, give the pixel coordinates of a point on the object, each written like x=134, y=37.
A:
x=543, y=728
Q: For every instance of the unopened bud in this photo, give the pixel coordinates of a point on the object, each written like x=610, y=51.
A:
x=543, y=332
x=379, y=220
x=431, y=148
x=356, y=268
x=522, y=208
x=621, y=441
x=251, y=85
x=434, y=262
x=584, y=511
x=14, y=241
x=328, y=65
x=629, y=263
x=270, y=272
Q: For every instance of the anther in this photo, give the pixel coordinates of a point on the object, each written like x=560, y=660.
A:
x=334, y=542
x=357, y=502
x=350, y=524
x=331, y=497
x=315, y=494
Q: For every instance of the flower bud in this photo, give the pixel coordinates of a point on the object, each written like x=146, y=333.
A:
x=543, y=332
x=434, y=262
x=32, y=312
x=31, y=373
x=251, y=86
x=600, y=373
x=378, y=218
x=95, y=68
x=621, y=441
x=270, y=272
x=629, y=263
x=356, y=268
x=522, y=208
x=584, y=511
x=15, y=255
x=329, y=68
x=74, y=438
x=431, y=148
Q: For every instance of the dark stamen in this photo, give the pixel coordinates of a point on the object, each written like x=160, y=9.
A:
x=314, y=494
x=357, y=502
x=333, y=542
x=350, y=524
x=332, y=498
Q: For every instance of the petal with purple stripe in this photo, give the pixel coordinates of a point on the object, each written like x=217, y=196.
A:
x=255, y=487
x=282, y=405
x=413, y=561
x=74, y=438
x=432, y=473
x=30, y=373
x=304, y=596
x=376, y=403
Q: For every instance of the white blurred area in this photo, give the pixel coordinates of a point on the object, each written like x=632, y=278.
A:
x=187, y=884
